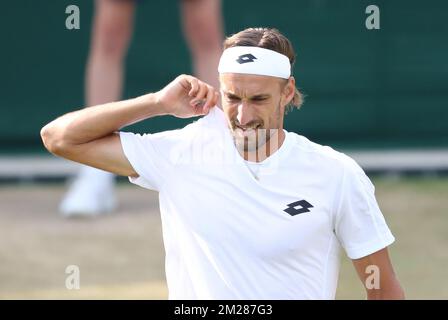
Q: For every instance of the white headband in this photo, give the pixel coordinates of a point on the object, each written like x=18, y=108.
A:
x=255, y=60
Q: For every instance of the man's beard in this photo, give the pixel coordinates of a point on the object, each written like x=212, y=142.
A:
x=251, y=140
x=255, y=139
x=255, y=142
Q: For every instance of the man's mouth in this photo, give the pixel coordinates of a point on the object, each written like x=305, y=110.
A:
x=248, y=128
x=246, y=131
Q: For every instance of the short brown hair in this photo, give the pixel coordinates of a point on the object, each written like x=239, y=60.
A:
x=267, y=38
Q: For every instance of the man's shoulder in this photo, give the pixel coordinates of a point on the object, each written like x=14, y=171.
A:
x=321, y=154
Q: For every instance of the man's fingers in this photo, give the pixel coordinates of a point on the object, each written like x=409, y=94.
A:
x=204, y=96
x=202, y=92
x=201, y=95
x=194, y=83
x=209, y=103
x=216, y=100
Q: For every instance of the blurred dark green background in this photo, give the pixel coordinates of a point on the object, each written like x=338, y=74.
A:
x=384, y=88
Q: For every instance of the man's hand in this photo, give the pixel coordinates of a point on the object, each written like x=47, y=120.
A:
x=187, y=96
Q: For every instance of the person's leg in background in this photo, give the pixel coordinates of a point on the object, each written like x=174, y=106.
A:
x=204, y=31
x=92, y=191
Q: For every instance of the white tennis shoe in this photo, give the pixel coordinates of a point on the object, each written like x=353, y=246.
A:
x=91, y=193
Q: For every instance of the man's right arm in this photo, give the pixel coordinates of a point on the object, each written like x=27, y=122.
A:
x=89, y=135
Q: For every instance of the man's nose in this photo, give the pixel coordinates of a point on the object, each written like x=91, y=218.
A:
x=244, y=114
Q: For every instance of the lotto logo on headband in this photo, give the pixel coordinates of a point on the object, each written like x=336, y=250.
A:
x=245, y=58
x=266, y=62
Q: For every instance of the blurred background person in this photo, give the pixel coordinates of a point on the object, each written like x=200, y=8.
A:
x=92, y=190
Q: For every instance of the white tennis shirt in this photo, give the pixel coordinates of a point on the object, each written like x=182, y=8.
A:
x=272, y=230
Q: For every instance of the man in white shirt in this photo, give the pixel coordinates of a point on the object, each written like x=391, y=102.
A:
x=249, y=210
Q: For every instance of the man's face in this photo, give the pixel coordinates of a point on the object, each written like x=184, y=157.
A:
x=252, y=104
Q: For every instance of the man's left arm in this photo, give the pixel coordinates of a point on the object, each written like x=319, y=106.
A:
x=378, y=277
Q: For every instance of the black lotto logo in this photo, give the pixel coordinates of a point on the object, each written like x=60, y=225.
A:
x=245, y=58
x=298, y=207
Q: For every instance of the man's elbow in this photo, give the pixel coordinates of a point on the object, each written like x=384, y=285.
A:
x=53, y=140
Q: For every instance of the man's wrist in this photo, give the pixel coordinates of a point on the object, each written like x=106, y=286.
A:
x=152, y=105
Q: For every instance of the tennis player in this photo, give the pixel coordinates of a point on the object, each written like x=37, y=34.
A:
x=249, y=210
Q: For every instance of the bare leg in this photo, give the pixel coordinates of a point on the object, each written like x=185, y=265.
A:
x=203, y=30
x=92, y=191
x=111, y=34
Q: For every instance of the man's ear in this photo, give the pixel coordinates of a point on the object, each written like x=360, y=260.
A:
x=288, y=91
